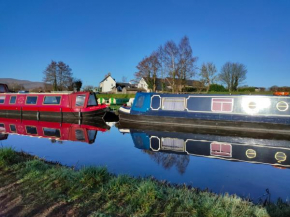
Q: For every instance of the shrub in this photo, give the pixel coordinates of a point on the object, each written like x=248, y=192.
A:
x=217, y=88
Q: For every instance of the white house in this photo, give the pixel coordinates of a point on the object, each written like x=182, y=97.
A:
x=107, y=84
x=143, y=85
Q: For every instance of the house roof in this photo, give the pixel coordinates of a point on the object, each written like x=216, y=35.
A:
x=107, y=77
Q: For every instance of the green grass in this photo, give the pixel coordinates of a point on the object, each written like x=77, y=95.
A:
x=117, y=96
x=244, y=93
x=115, y=107
x=127, y=96
x=94, y=191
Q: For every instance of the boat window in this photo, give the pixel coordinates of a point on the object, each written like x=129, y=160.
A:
x=12, y=128
x=51, y=100
x=80, y=100
x=92, y=100
x=252, y=105
x=173, y=103
x=2, y=88
x=80, y=136
x=2, y=99
x=139, y=102
x=282, y=106
x=154, y=143
x=92, y=135
x=251, y=153
x=280, y=156
x=51, y=132
x=2, y=127
x=31, y=130
x=172, y=144
x=31, y=100
x=12, y=99
x=222, y=105
x=221, y=149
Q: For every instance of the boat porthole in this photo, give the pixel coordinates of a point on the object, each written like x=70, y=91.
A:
x=154, y=143
x=282, y=106
x=252, y=105
x=251, y=153
x=280, y=156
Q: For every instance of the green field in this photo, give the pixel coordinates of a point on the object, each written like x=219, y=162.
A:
x=117, y=96
x=30, y=186
x=127, y=96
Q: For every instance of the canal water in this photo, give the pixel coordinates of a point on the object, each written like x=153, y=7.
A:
x=249, y=166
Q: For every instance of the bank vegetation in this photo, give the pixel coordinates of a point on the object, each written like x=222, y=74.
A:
x=30, y=186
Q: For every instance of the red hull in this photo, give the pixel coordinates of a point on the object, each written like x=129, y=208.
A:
x=41, y=103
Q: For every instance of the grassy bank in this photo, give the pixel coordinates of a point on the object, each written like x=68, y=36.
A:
x=127, y=96
x=116, y=96
x=30, y=186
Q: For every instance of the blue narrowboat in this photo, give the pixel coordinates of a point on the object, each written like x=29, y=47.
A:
x=229, y=112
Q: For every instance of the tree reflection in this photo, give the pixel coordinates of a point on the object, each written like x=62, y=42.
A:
x=169, y=160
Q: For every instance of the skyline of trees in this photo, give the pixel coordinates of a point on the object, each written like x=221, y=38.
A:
x=178, y=63
x=170, y=60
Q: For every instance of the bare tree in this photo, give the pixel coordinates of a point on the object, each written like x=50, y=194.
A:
x=59, y=75
x=171, y=53
x=64, y=74
x=155, y=66
x=233, y=74
x=50, y=75
x=208, y=74
x=162, y=71
x=185, y=61
x=148, y=68
x=173, y=64
x=239, y=75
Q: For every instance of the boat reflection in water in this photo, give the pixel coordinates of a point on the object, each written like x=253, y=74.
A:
x=51, y=129
x=177, y=146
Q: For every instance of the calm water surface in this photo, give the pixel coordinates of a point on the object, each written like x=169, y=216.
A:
x=182, y=158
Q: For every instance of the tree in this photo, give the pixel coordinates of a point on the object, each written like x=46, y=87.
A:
x=233, y=74
x=172, y=63
x=162, y=71
x=185, y=61
x=155, y=66
x=65, y=78
x=77, y=84
x=207, y=74
x=50, y=75
x=148, y=68
x=59, y=75
x=171, y=53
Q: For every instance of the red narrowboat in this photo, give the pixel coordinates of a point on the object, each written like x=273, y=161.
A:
x=81, y=105
x=51, y=130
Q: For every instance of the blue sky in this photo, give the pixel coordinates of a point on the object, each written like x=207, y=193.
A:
x=97, y=37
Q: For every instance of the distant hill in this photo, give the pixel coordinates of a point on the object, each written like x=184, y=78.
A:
x=28, y=85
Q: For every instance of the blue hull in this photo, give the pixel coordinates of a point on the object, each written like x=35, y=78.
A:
x=263, y=112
